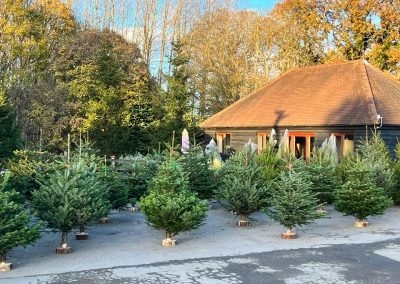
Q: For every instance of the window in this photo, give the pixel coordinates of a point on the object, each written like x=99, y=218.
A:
x=344, y=143
x=223, y=141
x=301, y=144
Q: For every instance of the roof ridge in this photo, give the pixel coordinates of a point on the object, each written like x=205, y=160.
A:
x=385, y=74
x=244, y=98
x=369, y=94
x=320, y=65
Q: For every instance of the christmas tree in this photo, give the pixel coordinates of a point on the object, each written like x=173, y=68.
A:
x=71, y=196
x=292, y=203
x=118, y=188
x=270, y=163
x=15, y=222
x=376, y=155
x=243, y=189
x=201, y=177
x=322, y=174
x=396, y=189
x=170, y=205
x=360, y=196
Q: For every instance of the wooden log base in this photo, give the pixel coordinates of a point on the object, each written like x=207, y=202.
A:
x=243, y=223
x=361, y=224
x=104, y=220
x=133, y=209
x=62, y=250
x=5, y=267
x=289, y=235
x=81, y=236
x=168, y=242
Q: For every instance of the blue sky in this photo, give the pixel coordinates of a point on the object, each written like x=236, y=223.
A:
x=256, y=4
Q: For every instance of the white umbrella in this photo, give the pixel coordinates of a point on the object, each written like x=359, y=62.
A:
x=284, y=144
x=210, y=147
x=185, y=142
x=332, y=149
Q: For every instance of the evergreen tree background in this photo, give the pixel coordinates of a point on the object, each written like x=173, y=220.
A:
x=16, y=228
x=396, y=192
x=292, y=203
x=9, y=130
x=360, y=196
x=170, y=205
x=270, y=163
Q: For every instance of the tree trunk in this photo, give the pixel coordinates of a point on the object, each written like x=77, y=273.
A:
x=168, y=235
x=82, y=229
x=2, y=257
x=64, y=238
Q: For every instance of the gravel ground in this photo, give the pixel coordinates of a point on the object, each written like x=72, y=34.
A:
x=128, y=247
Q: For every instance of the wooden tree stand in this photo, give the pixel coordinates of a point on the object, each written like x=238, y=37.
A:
x=63, y=250
x=133, y=209
x=243, y=223
x=289, y=235
x=5, y=267
x=168, y=242
x=81, y=236
x=104, y=220
x=361, y=224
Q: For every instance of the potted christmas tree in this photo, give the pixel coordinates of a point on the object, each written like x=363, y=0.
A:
x=292, y=203
x=15, y=224
x=360, y=196
x=170, y=205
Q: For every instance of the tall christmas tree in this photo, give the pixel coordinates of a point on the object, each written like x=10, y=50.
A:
x=243, y=189
x=170, y=205
x=396, y=189
x=16, y=228
x=293, y=203
x=360, y=196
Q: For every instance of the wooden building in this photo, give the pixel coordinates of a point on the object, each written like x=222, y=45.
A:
x=346, y=99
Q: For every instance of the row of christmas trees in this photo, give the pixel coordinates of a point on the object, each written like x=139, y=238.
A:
x=69, y=192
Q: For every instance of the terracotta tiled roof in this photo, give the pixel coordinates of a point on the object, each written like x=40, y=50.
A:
x=350, y=93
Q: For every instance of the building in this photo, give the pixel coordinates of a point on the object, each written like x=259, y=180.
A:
x=346, y=99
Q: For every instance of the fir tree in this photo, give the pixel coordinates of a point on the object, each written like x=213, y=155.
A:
x=292, y=203
x=117, y=189
x=396, y=189
x=322, y=174
x=270, y=163
x=70, y=197
x=201, y=177
x=360, y=196
x=15, y=222
x=242, y=189
x=376, y=155
x=170, y=205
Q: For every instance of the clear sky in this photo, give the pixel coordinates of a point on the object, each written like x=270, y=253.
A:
x=256, y=4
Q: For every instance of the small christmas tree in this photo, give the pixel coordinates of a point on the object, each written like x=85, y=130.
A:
x=322, y=174
x=293, y=203
x=243, y=189
x=359, y=196
x=201, y=177
x=395, y=194
x=15, y=224
x=170, y=205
